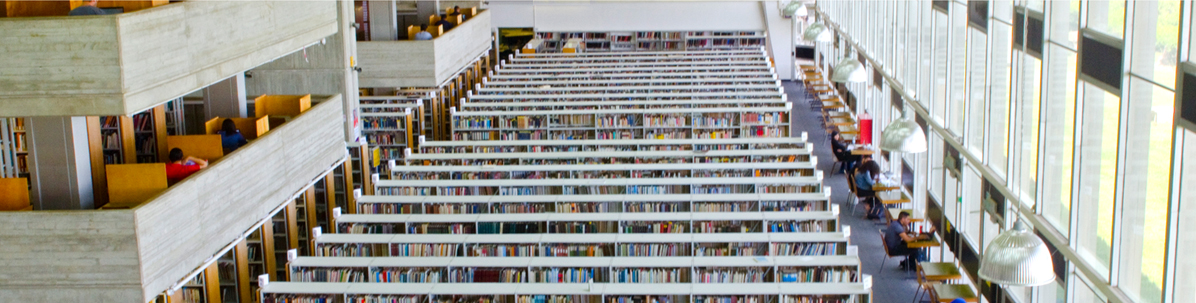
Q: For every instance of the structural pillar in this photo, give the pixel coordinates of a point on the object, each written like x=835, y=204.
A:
x=383, y=25
x=59, y=163
x=427, y=8
x=226, y=98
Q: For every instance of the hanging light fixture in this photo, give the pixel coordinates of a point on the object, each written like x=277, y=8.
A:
x=795, y=9
x=903, y=135
x=818, y=32
x=1017, y=257
x=849, y=70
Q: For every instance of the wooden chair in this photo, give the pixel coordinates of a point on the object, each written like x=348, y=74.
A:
x=851, y=196
x=887, y=255
x=924, y=286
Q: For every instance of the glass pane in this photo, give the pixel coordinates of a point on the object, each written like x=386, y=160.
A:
x=1098, y=172
x=1064, y=22
x=1059, y=136
x=1107, y=17
x=1155, y=42
x=998, y=113
x=1085, y=293
x=972, y=208
x=941, y=30
x=977, y=49
x=1028, y=109
x=1002, y=10
x=936, y=164
x=1185, y=267
x=1055, y=292
x=927, y=52
x=1147, y=183
x=957, y=96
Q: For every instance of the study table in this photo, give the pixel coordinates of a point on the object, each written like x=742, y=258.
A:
x=913, y=216
x=940, y=271
x=890, y=196
x=948, y=292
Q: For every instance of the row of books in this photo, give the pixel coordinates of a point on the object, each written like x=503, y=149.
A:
x=410, y=275
x=324, y=274
x=655, y=227
x=752, y=159
x=587, y=207
x=503, y=250
x=651, y=275
x=819, y=274
x=742, y=275
x=603, y=147
x=387, y=123
x=805, y=249
x=796, y=226
x=730, y=249
x=370, y=228
x=618, y=160
x=386, y=138
x=352, y=250
x=724, y=227
x=652, y=249
x=316, y=298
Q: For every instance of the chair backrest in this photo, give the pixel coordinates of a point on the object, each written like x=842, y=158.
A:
x=851, y=180
x=885, y=244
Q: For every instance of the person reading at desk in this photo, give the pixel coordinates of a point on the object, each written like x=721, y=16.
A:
x=865, y=179
x=230, y=137
x=897, y=238
x=843, y=153
x=445, y=25
x=423, y=33
x=181, y=167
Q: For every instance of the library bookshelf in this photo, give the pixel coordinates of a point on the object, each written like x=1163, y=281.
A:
x=14, y=148
x=649, y=41
x=431, y=148
x=592, y=203
x=672, y=123
x=736, y=217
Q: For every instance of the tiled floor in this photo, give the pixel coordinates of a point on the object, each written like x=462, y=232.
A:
x=890, y=284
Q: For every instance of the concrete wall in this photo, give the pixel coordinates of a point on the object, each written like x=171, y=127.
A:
x=628, y=15
x=57, y=66
x=192, y=221
x=424, y=63
x=133, y=255
x=63, y=256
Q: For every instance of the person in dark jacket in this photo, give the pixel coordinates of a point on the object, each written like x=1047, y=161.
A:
x=231, y=138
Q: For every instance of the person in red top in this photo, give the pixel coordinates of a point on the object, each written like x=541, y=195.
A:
x=181, y=167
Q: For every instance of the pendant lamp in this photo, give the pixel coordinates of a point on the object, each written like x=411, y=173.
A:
x=903, y=135
x=1017, y=257
x=818, y=32
x=795, y=9
x=849, y=70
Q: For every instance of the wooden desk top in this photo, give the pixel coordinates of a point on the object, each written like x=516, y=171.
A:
x=862, y=151
x=892, y=196
x=940, y=271
x=832, y=104
x=923, y=243
x=914, y=216
x=885, y=188
x=949, y=292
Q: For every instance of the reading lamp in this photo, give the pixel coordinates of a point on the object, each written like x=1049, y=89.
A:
x=795, y=9
x=903, y=135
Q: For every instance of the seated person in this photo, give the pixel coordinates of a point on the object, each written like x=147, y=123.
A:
x=444, y=22
x=423, y=33
x=87, y=9
x=230, y=138
x=181, y=167
x=842, y=153
x=897, y=236
x=456, y=11
x=865, y=179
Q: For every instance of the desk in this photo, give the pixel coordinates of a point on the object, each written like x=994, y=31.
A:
x=923, y=243
x=848, y=129
x=949, y=292
x=914, y=216
x=838, y=120
x=940, y=271
x=880, y=188
x=892, y=196
x=832, y=104
x=862, y=152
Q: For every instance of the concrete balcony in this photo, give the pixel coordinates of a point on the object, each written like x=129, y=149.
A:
x=427, y=63
x=131, y=255
x=125, y=63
